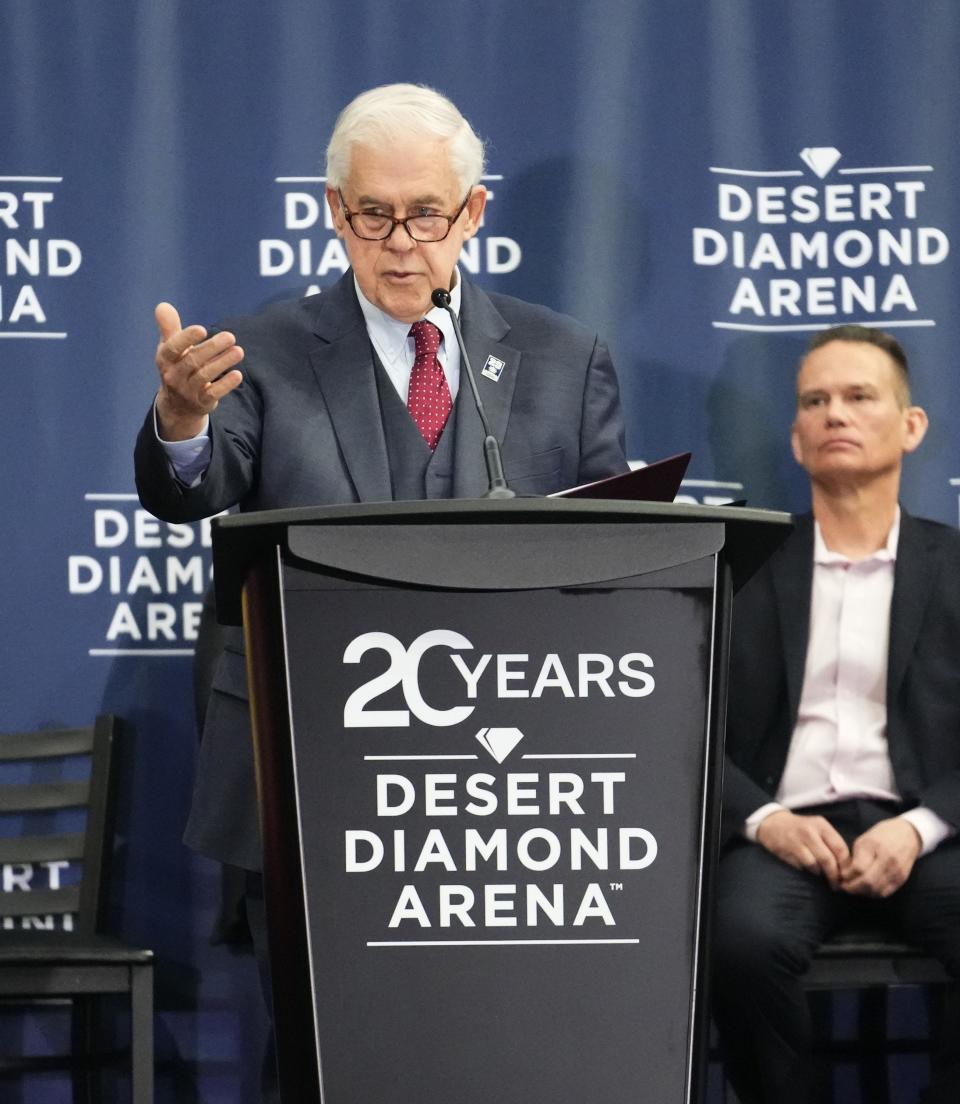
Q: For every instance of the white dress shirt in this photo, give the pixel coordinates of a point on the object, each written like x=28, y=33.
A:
x=395, y=348
x=839, y=750
x=189, y=459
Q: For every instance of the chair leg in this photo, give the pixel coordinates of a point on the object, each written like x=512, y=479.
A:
x=84, y=1071
x=874, y=1078
x=141, y=1033
x=822, y=1056
x=943, y=1006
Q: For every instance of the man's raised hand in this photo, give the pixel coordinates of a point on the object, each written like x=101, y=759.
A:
x=195, y=373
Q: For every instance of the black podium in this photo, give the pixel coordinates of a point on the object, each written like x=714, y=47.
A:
x=488, y=744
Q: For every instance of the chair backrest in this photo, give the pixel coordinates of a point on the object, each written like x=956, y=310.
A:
x=55, y=811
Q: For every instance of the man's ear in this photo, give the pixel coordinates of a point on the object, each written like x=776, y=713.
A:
x=915, y=427
x=475, y=205
x=336, y=211
x=795, y=444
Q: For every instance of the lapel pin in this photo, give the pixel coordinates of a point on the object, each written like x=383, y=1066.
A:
x=493, y=368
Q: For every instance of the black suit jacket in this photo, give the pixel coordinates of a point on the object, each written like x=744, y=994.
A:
x=768, y=654
x=304, y=428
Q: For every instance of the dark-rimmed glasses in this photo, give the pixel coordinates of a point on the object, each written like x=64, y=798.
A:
x=373, y=226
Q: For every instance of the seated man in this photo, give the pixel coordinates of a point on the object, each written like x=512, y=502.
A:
x=842, y=782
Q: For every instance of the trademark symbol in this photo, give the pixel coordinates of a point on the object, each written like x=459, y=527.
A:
x=616, y=887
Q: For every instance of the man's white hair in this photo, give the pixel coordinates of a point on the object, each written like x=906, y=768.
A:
x=397, y=112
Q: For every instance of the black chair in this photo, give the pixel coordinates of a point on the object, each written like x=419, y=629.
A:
x=870, y=959
x=55, y=812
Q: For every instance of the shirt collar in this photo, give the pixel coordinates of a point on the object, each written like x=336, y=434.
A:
x=390, y=336
x=887, y=554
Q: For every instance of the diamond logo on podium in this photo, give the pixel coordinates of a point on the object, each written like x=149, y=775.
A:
x=499, y=741
x=820, y=158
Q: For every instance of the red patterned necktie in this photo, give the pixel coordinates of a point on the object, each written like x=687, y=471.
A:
x=429, y=400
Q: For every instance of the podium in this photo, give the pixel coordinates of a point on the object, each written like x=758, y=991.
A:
x=488, y=739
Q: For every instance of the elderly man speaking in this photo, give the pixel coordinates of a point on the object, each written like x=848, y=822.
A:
x=354, y=395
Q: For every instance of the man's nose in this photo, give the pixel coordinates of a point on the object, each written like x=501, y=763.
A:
x=837, y=413
x=399, y=240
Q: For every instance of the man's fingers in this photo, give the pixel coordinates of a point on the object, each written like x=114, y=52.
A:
x=174, y=349
x=826, y=862
x=210, y=360
x=806, y=860
x=175, y=341
x=832, y=838
x=867, y=883
x=822, y=848
x=882, y=858
x=877, y=864
x=826, y=845
x=187, y=353
x=222, y=386
x=869, y=873
x=168, y=320
x=809, y=843
x=836, y=847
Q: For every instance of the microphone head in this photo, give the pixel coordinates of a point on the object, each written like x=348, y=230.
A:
x=440, y=297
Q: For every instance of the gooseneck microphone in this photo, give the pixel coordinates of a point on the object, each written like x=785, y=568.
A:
x=497, y=483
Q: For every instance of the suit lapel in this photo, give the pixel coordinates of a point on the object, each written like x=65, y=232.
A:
x=914, y=578
x=343, y=365
x=792, y=584
x=484, y=329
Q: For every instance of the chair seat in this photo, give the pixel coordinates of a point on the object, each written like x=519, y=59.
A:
x=859, y=958
x=865, y=943
x=69, y=949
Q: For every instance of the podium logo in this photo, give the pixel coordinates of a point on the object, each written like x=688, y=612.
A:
x=508, y=675
x=499, y=741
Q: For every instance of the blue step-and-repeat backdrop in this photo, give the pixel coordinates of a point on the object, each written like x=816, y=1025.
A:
x=705, y=182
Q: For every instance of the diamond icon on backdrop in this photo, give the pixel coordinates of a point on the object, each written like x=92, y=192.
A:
x=499, y=741
x=820, y=158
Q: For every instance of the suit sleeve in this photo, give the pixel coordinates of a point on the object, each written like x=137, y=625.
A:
x=235, y=431
x=923, y=690
x=741, y=797
x=602, y=449
x=758, y=723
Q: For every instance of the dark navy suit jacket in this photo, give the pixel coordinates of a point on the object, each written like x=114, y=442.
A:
x=768, y=653
x=305, y=429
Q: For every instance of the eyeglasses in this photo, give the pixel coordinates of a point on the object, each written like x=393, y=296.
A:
x=373, y=226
